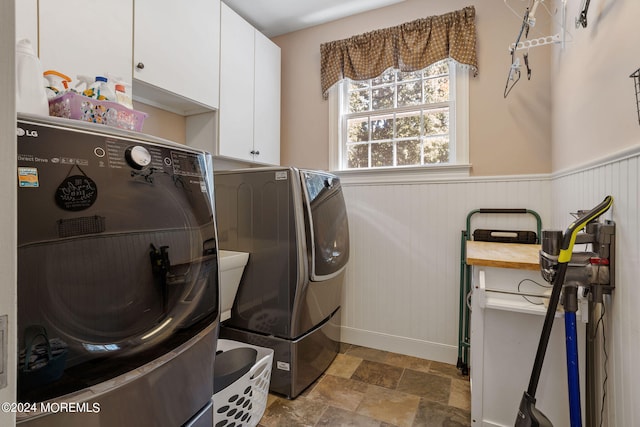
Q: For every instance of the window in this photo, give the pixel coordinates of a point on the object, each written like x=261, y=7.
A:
x=402, y=119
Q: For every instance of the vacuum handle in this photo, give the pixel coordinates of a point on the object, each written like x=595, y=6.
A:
x=569, y=239
x=570, y=234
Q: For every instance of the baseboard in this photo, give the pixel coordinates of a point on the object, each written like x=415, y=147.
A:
x=397, y=344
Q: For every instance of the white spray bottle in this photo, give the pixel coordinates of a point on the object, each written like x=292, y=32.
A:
x=58, y=83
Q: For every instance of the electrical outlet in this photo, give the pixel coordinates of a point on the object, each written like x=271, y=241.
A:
x=4, y=320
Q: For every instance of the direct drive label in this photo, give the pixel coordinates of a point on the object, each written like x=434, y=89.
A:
x=28, y=177
x=281, y=176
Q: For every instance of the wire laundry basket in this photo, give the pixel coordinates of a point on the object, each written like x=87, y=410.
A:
x=636, y=82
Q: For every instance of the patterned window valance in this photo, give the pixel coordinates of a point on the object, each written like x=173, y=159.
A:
x=408, y=47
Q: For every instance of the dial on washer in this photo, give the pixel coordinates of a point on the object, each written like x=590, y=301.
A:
x=138, y=157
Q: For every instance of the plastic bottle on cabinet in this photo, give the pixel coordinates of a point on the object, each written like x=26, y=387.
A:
x=83, y=85
x=100, y=90
x=58, y=83
x=31, y=96
x=122, y=96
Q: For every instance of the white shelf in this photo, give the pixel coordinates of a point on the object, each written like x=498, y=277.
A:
x=515, y=303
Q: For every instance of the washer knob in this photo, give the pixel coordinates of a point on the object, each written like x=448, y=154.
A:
x=138, y=157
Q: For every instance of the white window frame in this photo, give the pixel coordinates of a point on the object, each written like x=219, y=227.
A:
x=459, y=132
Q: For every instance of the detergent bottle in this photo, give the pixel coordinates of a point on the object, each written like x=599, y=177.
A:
x=30, y=87
x=122, y=95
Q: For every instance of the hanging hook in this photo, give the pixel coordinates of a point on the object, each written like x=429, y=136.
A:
x=513, y=77
x=581, y=20
x=514, y=69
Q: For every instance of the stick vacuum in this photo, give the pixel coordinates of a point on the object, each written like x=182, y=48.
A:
x=557, y=249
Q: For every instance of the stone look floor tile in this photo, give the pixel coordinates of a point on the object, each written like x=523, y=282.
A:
x=344, y=347
x=339, y=392
x=446, y=370
x=333, y=417
x=367, y=353
x=299, y=412
x=434, y=414
x=410, y=362
x=379, y=374
x=429, y=386
x=344, y=366
x=410, y=392
x=391, y=406
x=271, y=398
x=460, y=396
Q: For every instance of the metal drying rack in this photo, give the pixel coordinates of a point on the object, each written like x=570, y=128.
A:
x=636, y=82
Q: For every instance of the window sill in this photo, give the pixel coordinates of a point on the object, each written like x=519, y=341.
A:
x=408, y=175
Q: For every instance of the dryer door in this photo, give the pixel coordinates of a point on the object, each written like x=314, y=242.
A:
x=328, y=225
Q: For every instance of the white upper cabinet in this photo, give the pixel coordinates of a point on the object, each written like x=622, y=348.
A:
x=176, y=48
x=249, y=116
x=266, y=122
x=86, y=37
x=236, y=86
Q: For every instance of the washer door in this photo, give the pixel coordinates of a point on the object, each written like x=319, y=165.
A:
x=328, y=225
x=116, y=252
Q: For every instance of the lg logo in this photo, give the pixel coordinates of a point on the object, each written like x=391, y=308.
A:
x=22, y=132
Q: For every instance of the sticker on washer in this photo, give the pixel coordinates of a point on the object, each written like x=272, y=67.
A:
x=283, y=366
x=28, y=177
x=202, y=184
x=281, y=176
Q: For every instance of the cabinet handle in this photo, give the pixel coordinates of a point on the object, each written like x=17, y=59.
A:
x=140, y=66
x=257, y=153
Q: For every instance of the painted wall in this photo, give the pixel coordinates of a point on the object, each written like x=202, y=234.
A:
x=595, y=122
x=162, y=123
x=509, y=136
x=594, y=104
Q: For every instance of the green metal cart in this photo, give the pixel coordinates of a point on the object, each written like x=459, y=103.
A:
x=504, y=236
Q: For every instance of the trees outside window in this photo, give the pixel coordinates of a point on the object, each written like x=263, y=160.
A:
x=399, y=119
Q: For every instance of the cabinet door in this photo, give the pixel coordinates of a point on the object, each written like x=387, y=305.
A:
x=266, y=128
x=176, y=47
x=27, y=21
x=236, y=86
x=89, y=37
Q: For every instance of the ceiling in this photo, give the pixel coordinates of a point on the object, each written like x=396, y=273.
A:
x=276, y=17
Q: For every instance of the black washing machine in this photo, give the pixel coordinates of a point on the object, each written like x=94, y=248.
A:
x=117, y=277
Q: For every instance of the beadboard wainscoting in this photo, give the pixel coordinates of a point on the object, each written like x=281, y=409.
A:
x=402, y=282
x=403, y=279
x=583, y=188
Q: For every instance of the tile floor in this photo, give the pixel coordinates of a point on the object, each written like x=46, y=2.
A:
x=374, y=388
